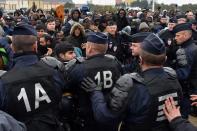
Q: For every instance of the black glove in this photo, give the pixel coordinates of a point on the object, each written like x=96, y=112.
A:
x=181, y=57
x=89, y=85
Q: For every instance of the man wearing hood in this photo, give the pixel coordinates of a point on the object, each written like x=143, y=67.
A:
x=75, y=17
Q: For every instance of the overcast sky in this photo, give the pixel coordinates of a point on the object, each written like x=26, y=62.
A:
x=103, y=2
x=179, y=2
x=100, y=2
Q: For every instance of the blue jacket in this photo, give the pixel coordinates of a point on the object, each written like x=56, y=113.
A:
x=190, y=48
x=8, y=123
x=136, y=110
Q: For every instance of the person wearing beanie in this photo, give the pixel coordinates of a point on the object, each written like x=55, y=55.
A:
x=103, y=69
x=147, y=98
x=185, y=63
x=161, y=25
x=143, y=27
x=31, y=90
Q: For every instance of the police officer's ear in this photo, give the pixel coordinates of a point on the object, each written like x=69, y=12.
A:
x=141, y=61
x=12, y=47
x=35, y=47
x=166, y=58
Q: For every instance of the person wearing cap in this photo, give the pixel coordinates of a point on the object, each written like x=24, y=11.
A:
x=115, y=47
x=31, y=90
x=103, y=69
x=181, y=19
x=139, y=98
x=167, y=34
x=153, y=56
x=135, y=41
x=185, y=63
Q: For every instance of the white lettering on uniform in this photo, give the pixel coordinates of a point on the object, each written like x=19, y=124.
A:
x=38, y=99
x=107, y=78
x=38, y=89
x=23, y=95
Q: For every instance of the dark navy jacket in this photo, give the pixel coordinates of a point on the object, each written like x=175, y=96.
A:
x=23, y=61
x=136, y=110
x=190, y=48
x=180, y=124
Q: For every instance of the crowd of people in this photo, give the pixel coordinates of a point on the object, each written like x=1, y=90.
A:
x=98, y=71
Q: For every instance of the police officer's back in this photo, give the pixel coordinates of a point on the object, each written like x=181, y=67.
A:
x=153, y=55
x=104, y=70
x=144, y=104
x=31, y=90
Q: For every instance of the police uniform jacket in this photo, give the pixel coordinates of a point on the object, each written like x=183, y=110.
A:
x=104, y=71
x=31, y=92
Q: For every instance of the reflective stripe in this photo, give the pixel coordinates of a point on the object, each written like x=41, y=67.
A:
x=162, y=98
x=162, y=106
x=160, y=113
x=161, y=118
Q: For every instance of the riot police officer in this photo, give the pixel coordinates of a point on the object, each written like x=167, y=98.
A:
x=103, y=69
x=140, y=100
x=135, y=40
x=185, y=63
x=167, y=35
x=31, y=90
